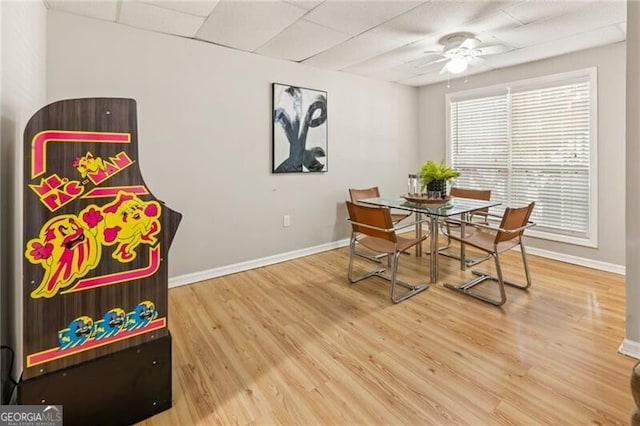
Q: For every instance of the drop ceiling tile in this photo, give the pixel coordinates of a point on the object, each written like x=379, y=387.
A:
x=99, y=9
x=589, y=16
x=352, y=51
x=301, y=41
x=150, y=17
x=305, y=4
x=248, y=25
x=532, y=11
x=404, y=55
x=354, y=17
x=373, y=65
x=392, y=74
x=421, y=80
x=438, y=17
x=427, y=64
x=586, y=40
x=416, y=50
x=198, y=8
x=489, y=23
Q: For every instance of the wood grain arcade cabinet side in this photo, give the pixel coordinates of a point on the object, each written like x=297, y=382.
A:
x=96, y=337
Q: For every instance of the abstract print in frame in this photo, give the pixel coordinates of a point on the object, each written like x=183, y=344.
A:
x=299, y=129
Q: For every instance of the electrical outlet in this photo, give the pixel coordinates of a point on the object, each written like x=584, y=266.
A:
x=286, y=220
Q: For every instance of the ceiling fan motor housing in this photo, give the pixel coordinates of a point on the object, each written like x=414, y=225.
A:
x=455, y=41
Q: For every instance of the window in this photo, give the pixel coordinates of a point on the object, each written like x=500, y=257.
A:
x=528, y=141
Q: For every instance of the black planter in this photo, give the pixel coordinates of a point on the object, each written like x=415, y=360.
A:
x=438, y=185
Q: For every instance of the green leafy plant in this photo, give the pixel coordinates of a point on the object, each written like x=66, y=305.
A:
x=431, y=171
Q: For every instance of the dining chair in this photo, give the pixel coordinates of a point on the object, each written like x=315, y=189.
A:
x=494, y=241
x=373, y=228
x=359, y=194
x=478, y=216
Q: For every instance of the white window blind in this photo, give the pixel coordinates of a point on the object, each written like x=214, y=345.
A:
x=531, y=144
x=480, y=144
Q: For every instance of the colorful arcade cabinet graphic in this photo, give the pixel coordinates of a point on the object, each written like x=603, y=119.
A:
x=95, y=239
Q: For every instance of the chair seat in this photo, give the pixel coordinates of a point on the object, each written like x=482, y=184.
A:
x=485, y=239
x=388, y=247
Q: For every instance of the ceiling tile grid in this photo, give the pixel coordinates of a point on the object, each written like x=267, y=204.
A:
x=352, y=17
x=353, y=51
x=106, y=11
x=155, y=18
x=199, y=8
x=229, y=22
x=393, y=40
x=301, y=41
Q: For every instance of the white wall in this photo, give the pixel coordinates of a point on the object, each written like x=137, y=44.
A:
x=610, y=62
x=204, y=122
x=22, y=83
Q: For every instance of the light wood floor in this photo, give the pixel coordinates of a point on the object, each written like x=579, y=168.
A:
x=295, y=343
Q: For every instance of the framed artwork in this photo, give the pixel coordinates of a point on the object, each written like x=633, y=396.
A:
x=299, y=130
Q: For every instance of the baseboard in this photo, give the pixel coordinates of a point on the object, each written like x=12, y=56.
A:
x=630, y=348
x=576, y=260
x=252, y=264
x=283, y=257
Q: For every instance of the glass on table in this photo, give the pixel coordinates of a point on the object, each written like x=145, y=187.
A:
x=413, y=185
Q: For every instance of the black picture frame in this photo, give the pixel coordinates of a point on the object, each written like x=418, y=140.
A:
x=300, y=130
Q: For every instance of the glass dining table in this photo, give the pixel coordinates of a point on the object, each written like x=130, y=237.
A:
x=453, y=207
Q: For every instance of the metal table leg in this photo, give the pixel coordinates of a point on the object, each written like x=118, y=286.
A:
x=418, y=233
x=433, y=223
x=463, y=261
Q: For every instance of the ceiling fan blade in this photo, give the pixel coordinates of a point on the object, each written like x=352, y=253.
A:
x=470, y=43
x=444, y=69
x=433, y=62
x=490, y=50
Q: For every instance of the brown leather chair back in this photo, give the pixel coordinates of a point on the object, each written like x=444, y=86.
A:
x=359, y=194
x=476, y=194
x=372, y=216
x=514, y=218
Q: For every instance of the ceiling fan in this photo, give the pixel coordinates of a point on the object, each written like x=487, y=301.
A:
x=461, y=50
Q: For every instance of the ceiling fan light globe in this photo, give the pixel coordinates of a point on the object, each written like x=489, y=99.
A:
x=457, y=65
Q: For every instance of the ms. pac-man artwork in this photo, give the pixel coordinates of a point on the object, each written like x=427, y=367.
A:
x=95, y=238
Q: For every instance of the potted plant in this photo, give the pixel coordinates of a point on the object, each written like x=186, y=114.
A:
x=434, y=176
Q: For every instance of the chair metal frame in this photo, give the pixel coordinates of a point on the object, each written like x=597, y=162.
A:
x=446, y=223
x=373, y=228
x=356, y=195
x=505, y=237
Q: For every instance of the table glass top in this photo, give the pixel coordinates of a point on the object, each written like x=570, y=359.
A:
x=452, y=207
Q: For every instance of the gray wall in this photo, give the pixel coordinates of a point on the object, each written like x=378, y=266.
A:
x=610, y=63
x=204, y=117
x=22, y=84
